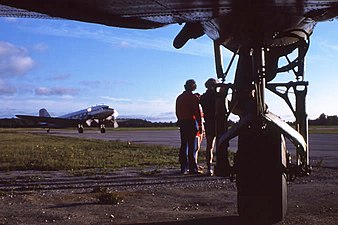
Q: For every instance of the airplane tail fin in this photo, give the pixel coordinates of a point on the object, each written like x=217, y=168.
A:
x=43, y=113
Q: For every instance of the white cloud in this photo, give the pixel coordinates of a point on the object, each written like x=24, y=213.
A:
x=40, y=47
x=91, y=83
x=329, y=46
x=56, y=106
x=10, y=19
x=113, y=99
x=59, y=91
x=60, y=77
x=132, y=39
x=6, y=89
x=152, y=109
x=14, y=61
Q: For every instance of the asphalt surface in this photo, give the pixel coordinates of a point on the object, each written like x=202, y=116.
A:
x=323, y=147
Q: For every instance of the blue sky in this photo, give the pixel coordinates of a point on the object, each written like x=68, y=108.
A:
x=65, y=66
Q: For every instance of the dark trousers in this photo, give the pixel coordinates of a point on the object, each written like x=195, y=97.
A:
x=188, y=131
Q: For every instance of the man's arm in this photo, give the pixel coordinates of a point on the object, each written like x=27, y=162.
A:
x=197, y=112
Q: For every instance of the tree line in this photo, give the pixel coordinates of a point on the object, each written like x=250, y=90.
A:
x=20, y=123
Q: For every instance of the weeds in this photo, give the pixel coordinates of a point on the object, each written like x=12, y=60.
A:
x=150, y=172
x=23, y=151
x=105, y=197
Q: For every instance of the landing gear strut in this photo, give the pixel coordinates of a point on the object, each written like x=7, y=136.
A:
x=80, y=128
x=261, y=165
x=102, y=128
x=261, y=155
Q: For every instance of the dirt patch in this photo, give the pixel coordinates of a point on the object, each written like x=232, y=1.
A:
x=163, y=196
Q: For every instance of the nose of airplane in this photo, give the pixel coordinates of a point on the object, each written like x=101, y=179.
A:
x=115, y=113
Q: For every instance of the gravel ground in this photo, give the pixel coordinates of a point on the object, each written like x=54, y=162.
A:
x=150, y=196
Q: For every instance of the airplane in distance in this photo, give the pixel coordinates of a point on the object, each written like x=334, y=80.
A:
x=99, y=114
x=269, y=38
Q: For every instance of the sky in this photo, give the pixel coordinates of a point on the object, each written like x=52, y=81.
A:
x=65, y=66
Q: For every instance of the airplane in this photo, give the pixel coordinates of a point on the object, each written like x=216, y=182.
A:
x=260, y=33
x=100, y=114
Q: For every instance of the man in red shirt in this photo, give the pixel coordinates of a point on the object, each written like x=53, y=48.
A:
x=189, y=121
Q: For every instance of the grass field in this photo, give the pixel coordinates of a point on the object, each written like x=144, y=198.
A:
x=323, y=129
x=26, y=151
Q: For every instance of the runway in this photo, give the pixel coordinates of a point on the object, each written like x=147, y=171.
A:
x=323, y=147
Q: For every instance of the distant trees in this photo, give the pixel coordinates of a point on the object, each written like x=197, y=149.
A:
x=143, y=123
x=20, y=123
x=16, y=123
x=324, y=120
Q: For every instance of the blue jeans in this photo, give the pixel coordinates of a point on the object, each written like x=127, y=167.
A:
x=188, y=131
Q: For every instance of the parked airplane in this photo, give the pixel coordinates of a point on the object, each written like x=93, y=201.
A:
x=260, y=33
x=100, y=114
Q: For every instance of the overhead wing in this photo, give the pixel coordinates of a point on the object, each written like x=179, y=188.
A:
x=232, y=23
x=146, y=14
x=51, y=120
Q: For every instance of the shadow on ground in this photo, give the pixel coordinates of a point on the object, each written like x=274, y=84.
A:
x=224, y=220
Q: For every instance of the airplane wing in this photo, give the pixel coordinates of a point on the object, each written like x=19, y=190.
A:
x=51, y=120
x=232, y=23
x=147, y=14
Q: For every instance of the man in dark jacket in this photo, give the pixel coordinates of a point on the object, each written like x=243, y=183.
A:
x=208, y=105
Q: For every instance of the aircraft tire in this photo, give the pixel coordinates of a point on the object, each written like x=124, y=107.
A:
x=261, y=183
x=80, y=129
x=103, y=130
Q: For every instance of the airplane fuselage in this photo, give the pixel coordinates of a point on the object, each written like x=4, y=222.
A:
x=94, y=112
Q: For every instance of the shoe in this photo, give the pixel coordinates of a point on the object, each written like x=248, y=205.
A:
x=210, y=173
x=184, y=172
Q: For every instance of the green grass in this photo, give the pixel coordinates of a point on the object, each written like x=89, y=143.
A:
x=26, y=151
x=323, y=129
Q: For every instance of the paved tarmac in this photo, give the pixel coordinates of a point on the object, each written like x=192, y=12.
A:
x=323, y=147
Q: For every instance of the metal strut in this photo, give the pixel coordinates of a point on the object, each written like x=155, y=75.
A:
x=299, y=88
x=222, y=167
x=219, y=62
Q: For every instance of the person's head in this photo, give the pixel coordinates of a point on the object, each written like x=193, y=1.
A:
x=210, y=83
x=190, y=85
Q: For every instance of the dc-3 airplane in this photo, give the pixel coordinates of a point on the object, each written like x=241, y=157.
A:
x=260, y=33
x=99, y=114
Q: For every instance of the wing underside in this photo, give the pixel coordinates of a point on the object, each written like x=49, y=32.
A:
x=51, y=120
x=147, y=14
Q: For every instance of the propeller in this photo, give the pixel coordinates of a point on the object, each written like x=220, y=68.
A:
x=109, y=118
x=89, y=122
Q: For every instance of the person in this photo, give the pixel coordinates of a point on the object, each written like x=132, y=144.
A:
x=189, y=121
x=208, y=103
x=200, y=133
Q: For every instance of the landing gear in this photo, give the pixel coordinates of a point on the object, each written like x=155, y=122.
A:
x=102, y=129
x=260, y=178
x=80, y=128
x=262, y=167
